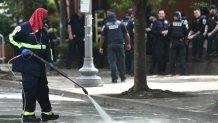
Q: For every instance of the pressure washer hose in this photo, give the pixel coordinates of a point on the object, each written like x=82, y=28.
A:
x=17, y=79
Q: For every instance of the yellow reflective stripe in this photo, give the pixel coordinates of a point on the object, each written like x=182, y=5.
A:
x=24, y=45
x=48, y=113
x=28, y=113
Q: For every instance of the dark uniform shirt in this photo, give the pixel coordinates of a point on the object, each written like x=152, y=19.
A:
x=24, y=38
x=77, y=25
x=158, y=27
x=198, y=24
x=130, y=28
x=177, y=30
x=114, y=31
x=212, y=22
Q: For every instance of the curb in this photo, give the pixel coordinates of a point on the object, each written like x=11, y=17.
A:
x=129, y=103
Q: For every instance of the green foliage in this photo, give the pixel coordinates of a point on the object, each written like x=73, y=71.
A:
x=125, y=4
x=201, y=5
x=51, y=6
x=172, y=2
x=5, y=27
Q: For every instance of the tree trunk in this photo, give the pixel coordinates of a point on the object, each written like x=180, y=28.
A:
x=140, y=81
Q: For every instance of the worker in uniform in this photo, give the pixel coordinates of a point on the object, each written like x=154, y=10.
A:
x=212, y=31
x=177, y=33
x=159, y=31
x=28, y=37
x=114, y=31
x=196, y=35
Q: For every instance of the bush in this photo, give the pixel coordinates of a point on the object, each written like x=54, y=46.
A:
x=5, y=27
x=203, y=6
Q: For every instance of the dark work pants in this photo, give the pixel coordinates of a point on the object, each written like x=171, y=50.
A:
x=178, y=48
x=129, y=61
x=197, y=46
x=212, y=43
x=36, y=89
x=116, y=60
x=76, y=43
x=161, y=55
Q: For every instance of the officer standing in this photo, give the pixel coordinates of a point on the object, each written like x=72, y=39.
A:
x=177, y=33
x=114, y=31
x=130, y=53
x=160, y=31
x=196, y=35
x=212, y=25
x=31, y=35
x=76, y=33
x=151, y=42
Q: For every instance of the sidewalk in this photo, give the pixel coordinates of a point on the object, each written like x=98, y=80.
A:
x=202, y=105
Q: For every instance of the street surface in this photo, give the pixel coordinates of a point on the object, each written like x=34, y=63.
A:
x=73, y=110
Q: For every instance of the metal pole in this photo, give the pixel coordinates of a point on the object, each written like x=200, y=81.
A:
x=88, y=77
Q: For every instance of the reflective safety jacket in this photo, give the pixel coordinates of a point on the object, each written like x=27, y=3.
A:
x=23, y=38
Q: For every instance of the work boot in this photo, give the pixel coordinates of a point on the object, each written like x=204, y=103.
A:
x=46, y=116
x=30, y=118
x=123, y=79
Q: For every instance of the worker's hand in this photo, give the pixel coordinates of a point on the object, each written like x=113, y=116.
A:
x=147, y=29
x=70, y=37
x=209, y=34
x=51, y=66
x=25, y=52
x=101, y=51
x=190, y=37
x=165, y=32
x=128, y=47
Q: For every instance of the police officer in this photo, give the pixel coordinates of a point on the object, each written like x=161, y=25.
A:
x=76, y=33
x=196, y=35
x=177, y=34
x=150, y=42
x=31, y=35
x=130, y=53
x=127, y=18
x=212, y=30
x=114, y=32
x=160, y=31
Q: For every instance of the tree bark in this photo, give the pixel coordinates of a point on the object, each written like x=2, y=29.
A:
x=140, y=80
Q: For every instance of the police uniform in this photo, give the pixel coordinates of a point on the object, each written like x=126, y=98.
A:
x=177, y=33
x=32, y=70
x=198, y=25
x=130, y=53
x=161, y=46
x=114, y=31
x=212, y=42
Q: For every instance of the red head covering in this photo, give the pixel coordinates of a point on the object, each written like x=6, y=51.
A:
x=36, y=20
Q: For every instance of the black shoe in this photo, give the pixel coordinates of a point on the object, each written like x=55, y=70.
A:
x=46, y=117
x=123, y=79
x=30, y=118
x=114, y=81
x=213, y=54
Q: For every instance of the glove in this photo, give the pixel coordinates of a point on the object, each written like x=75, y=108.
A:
x=25, y=52
x=51, y=65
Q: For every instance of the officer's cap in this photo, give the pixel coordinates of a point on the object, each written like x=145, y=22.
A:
x=111, y=14
x=212, y=7
x=177, y=14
